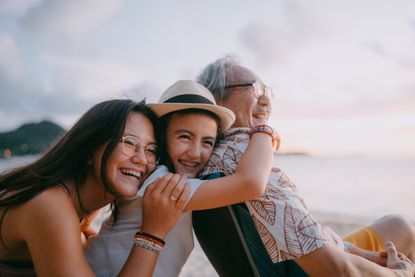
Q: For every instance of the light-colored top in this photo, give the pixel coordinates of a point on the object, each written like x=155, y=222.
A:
x=284, y=223
x=108, y=251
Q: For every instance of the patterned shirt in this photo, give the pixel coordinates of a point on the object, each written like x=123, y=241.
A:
x=284, y=223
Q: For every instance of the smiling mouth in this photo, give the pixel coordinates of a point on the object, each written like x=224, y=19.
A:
x=130, y=172
x=260, y=115
x=189, y=164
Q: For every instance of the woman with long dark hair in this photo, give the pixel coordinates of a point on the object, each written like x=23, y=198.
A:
x=107, y=154
x=192, y=124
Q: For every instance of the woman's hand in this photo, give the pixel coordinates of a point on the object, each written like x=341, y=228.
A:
x=163, y=203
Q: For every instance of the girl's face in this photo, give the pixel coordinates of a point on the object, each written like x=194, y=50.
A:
x=133, y=159
x=190, y=140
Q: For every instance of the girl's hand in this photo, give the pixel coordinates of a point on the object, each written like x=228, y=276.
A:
x=163, y=203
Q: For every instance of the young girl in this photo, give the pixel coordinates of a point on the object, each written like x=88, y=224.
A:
x=107, y=154
x=192, y=123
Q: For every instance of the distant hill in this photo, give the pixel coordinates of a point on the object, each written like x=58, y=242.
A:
x=29, y=139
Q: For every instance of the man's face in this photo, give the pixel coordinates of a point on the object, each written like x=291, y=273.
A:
x=249, y=110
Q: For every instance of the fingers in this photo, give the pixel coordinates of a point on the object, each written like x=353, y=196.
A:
x=391, y=250
x=176, y=190
x=183, y=197
x=161, y=183
x=175, y=185
x=150, y=188
x=383, y=254
x=169, y=189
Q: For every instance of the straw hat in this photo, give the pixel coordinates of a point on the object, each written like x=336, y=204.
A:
x=187, y=94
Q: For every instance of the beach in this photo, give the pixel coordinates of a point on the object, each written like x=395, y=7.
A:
x=199, y=266
x=330, y=184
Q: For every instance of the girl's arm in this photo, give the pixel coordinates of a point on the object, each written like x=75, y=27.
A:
x=248, y=181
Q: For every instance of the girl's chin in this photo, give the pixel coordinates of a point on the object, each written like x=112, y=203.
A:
x=188, y=174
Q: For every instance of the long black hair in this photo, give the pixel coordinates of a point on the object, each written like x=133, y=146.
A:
x=68, y=158
x=164, y=122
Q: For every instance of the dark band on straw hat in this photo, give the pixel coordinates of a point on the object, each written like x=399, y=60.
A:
x=189, y=98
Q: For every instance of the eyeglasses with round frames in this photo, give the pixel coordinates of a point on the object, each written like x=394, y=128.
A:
x=259, y=89
x=131, y=146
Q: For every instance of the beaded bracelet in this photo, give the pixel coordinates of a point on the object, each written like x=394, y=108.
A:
x=149, y=242
x=265, y=129
x=150, y=237
x=149, y=245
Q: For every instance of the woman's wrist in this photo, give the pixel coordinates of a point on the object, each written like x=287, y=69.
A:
x=152, y=231
x=149, y=242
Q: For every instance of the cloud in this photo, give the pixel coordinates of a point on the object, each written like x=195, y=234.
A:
x=72, y=84
x=88, y=77
x=268, y=43
x=402, y=60
x=12, y=64
x=17, y=8
x=66, y=22
x=276, y=41
x=16, y=80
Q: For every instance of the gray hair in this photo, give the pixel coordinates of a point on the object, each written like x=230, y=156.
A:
x=215, y=75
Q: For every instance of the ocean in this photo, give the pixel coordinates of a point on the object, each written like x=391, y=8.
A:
x=355, y=186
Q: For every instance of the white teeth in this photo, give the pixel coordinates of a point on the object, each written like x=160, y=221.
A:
x=261, y=116
x=131, y=172
x=190, y=164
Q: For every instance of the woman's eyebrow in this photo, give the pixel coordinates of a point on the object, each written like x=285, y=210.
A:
x=131, y=135
x=178, y=131
x=209, y=137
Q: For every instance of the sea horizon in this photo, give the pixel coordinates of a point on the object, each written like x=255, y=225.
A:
x=358, y=186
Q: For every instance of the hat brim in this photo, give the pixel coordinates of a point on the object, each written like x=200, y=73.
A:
x=226, y=116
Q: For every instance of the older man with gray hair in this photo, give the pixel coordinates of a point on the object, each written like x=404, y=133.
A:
x=280, y=217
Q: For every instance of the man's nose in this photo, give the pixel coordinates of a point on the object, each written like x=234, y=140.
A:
x=265, y=100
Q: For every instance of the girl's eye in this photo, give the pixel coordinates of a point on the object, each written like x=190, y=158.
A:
x=185, y=137
x=208, y=142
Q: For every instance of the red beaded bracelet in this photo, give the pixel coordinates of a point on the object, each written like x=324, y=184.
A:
x=265, y=129
x=150, y=237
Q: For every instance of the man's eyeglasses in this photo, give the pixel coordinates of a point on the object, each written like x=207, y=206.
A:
x=131, y=146
x=259, y=89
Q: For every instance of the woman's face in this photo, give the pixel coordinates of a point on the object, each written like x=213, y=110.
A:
x=126, y=172
x=190, y=140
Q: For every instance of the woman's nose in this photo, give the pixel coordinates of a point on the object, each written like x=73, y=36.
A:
x=140, y=157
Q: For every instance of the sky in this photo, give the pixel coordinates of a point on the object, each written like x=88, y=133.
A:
x=342, y=72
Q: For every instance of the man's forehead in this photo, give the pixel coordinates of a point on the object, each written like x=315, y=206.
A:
x=239, y=74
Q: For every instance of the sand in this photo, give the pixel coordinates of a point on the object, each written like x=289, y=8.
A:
x=198, y=264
